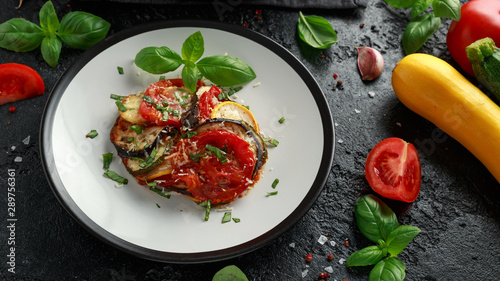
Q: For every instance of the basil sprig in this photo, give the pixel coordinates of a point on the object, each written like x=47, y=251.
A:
x=79, y=30
x=221, y=70
x=422, y=26
x=316, y=31
x=377, y=222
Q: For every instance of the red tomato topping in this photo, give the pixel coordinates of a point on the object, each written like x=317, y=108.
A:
x=478, y=19
x=209, y=178
x=208, y=101
x=18, y=82
x=393, y=170
x=166, y=93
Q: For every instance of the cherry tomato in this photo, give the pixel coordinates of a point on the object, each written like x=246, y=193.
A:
x=479, y=19
x=206, y=176
x=393, y=170
x=208, y=101
x=168, y=94
x=18, y=82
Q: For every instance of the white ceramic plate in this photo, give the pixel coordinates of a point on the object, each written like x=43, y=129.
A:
x=143, y=223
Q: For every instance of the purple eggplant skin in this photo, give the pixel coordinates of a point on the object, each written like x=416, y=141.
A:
x=130, y=144
x=189, y=119
x=243, y=130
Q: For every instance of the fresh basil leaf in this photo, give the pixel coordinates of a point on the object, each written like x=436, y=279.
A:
x=419, y=7
x=418, y=31
x=366, y=256
x=447, y=9
x=316, y=31
x=48, y=18
x=20, y=35
x=190, y=76
x=82, y=30
x=193, y=47
x=388, y=269
x=404, y=4
x=400, y=237
x=158, y=60
x=230, y=273
x=374, y=218
x=225, y=70
x=51, y=49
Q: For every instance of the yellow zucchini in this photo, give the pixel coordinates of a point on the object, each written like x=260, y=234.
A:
x=433, y=89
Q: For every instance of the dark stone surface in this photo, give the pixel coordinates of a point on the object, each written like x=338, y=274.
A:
x=457, y=209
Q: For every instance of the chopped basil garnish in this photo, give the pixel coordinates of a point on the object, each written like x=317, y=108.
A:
x=234, y=90
x=161, y=78
x=149, y=160
x=272, y=193
x=219, y=153
x=236, y=220
x=120, y=69
x=189, y=135
x=227, y=217
x=136, y=128
x=271, y=142
x=196, y=157
x=159, y=192
x=206, y=204
x=106, y=160
x=179, y=99
x=92, y=134
x=116, y=97
x=114, y=176
x=121, y=107
x=282, y=119
x=223, y=96
x=275, y=183
x=158, y=205
x=149, y=100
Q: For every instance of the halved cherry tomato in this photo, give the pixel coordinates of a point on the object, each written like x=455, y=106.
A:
x=18, y=82
x=208, y=101
x=168, y=93
x=206, y=176
x=393, y=170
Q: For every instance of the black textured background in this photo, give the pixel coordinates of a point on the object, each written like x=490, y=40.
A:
x=457, y=209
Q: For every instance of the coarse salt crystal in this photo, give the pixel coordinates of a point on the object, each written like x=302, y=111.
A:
x=18, y=159
x=336, y=124
x=322, y=239
x=342, y=261
x=398, y=123
x=333, y=243
x=304, y=273
x=13, y=147
x=340, y=141
x=329, y=269
x=357, y=110
x=292, y=245
x=371, y=94
x=26, y=141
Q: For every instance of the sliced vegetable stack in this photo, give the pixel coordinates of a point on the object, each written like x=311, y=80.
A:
x=201, y=144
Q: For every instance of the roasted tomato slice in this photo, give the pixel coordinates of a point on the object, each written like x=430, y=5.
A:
x=208, y=101
x=18, y=82
x=208, y=176
x=165, y=101
x=393, y=170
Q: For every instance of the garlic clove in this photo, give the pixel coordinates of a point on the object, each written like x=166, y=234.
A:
x=370, y=63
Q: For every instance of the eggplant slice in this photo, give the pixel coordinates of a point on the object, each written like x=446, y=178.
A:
x=130, y=144
x=243, y=130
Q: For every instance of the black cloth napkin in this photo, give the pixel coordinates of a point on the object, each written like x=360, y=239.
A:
x=300, y=4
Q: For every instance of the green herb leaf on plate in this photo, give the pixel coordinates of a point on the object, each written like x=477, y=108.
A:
x=190, y=76
x=366, y=256
x=374, y=218
x=400, y=237
x=388, y=269
x=20, y=35
x=230, y=273
x=418, y=31
x=48, y=18
x=316, y=31
x=82, y=30
x=158, y=60
x=225, y=70
x=447, y=9
x=193, y=47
